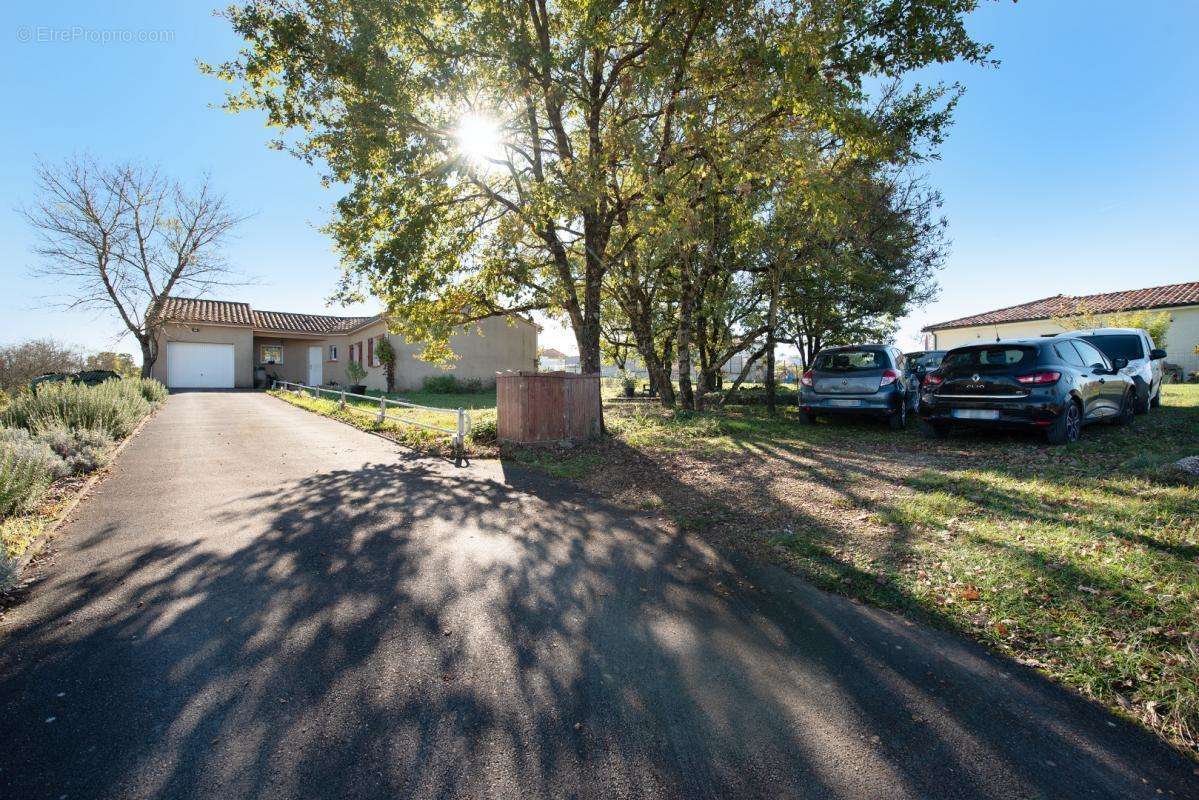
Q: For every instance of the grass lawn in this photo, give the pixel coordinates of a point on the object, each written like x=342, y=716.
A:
x=469, y=400
x=1081, y=561
x=363, y=414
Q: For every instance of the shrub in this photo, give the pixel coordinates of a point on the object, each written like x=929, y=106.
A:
x=483, y=430
x=472, y=385
x=114, y=407
x=152, y=390
x=26, y=469
x=29, y=448
x=83, y=450
x=441, y=384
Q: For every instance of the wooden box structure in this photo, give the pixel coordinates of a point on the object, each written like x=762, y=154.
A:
x=533, y=407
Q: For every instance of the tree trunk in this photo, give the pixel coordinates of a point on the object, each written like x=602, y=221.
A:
x=745, y=370
x=771, y=322
x=686, y=393
x=149, y=347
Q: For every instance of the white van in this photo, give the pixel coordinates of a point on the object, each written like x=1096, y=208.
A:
x=1144, y=359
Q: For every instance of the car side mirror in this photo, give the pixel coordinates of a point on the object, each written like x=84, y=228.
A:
x=1119, y=363
x=1157, y=354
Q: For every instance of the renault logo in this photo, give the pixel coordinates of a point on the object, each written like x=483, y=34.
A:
x=975, y=377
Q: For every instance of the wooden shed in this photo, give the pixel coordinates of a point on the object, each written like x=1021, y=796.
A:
x=533, y=407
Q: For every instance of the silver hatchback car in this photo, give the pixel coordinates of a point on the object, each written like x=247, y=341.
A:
x=1144, y=359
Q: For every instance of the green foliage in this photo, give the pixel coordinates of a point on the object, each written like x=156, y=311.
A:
x=152, y=390
x=441, y=384
x=483, y=430
x=387, y=357
x=356, y=373
x=120, y=363
x=627, y=136
x=26, y=469
x=384, y=352
x=114, y=407
x=1156, y=323
x=82, y=450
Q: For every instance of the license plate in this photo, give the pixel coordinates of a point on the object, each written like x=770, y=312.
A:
x=845, y=403
x=971, y=413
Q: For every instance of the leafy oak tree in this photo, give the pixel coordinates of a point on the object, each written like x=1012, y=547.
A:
x=508, y=156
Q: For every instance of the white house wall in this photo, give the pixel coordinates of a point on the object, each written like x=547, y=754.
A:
x=1180, y=343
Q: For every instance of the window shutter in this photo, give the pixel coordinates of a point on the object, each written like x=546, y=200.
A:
x=370, y=351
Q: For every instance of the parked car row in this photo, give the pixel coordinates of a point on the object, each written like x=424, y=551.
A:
x=1055, y=385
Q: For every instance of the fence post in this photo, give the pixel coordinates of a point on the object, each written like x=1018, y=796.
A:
x=343, y=399
x=382, y=408
x=316, y=393
x=460, y=439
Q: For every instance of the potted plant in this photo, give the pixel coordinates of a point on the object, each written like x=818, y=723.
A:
x=357, y=374
x=630, y=384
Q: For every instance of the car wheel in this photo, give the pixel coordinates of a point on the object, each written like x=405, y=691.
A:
x=1140, y=406
x=1067, y=426
x=899, y=417
x=934, y=430
x=1128, y=408
x=1156, y=401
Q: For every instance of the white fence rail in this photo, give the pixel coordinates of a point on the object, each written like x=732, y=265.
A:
x=457, y=434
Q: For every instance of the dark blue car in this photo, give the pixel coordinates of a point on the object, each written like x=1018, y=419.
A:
x=1054, y=385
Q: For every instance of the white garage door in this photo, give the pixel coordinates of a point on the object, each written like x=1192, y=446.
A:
x=199, y=365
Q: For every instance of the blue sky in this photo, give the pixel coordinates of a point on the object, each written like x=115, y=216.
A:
x=1071, y=167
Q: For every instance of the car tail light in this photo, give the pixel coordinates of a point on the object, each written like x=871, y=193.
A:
x=806, y=378
x=1040, y=378
x=889, y=377
x=933, y=379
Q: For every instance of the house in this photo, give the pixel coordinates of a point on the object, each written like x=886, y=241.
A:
x=551, y=360
x=1181, y=300
x=219, y=345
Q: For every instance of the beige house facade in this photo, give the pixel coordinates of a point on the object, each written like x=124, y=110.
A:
x=1036, y=318
x=224, y=345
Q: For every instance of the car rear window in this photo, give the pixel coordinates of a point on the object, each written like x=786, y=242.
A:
x=851, y=360
x=981, y=357
x=930, y=360
x=1118, y=345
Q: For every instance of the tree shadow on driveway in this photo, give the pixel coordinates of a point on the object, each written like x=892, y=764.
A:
x=408, y=630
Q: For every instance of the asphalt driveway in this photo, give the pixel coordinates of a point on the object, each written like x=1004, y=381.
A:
x=260, y=602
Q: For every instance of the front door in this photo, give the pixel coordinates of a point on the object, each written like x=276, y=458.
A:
x=314, y=366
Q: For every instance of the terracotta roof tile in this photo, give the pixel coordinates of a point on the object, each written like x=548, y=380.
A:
x=183, y=309
x=306, y=323
x=1176, y=294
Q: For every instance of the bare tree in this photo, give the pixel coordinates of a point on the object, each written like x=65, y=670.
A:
x=124, y=237
x=26, y=360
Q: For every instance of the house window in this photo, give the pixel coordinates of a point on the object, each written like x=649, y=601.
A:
x=332, y=352
x=272, y=354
